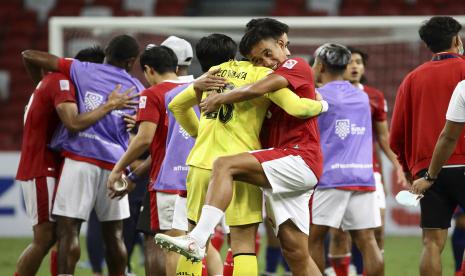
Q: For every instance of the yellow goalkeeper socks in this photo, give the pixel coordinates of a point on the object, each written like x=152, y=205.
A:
x=186, y=267
x=245, y=265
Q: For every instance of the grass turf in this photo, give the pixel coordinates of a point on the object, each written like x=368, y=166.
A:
x=402, y=256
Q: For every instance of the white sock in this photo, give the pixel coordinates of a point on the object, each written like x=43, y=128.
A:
x=209, y=218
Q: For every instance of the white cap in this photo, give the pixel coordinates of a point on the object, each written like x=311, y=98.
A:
x=181, y=48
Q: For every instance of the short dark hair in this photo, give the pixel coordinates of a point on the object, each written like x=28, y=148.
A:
x=261, y=29
x=362, y=54
x=161, y=58
x=93, y=54
x=334, y=56
x=215, y=49
x=438, y=31
x=121, y=48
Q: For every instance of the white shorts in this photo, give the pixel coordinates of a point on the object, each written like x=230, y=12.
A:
x=162, y=208
x=38, y=198
x=293, y=206
x=380, y=195
x=83, y=187
x=351, y=210
x=287, y=173
x=180, y=214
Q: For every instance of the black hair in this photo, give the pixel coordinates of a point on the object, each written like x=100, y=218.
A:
x=121, y=48
x=334, y=56
x=438, y=31
x=215, y=49
x=93, y=54
x=261, y=29
x=362, y=54
x=160, y=58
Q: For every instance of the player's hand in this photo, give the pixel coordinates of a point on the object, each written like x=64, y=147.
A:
x=211, y=103
x=402, y=179
x=209, y=81
x=420, y=185
x=120, y=194
x=318, y=96
x=112, y=178
x=130, y=121
x=123, y=100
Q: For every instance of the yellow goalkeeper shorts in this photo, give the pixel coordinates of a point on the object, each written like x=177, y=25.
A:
x=245, y=207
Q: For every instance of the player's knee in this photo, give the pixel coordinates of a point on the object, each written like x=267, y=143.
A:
x=222, y=164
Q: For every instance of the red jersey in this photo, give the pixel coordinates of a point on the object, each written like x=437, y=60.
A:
x=40, y=122
x=288, y=133
x=420, y=112
x=378, y=107
x=152, y=108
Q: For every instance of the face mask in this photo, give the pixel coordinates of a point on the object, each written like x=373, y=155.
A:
x=460, y=49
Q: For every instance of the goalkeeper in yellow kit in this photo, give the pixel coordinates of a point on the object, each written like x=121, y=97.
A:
x=233, y=129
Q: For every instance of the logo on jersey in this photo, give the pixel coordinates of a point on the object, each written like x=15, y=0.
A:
x=142, y=101
x=290, y=63
x=92, y=100
x=64, y=85
x=344, y=128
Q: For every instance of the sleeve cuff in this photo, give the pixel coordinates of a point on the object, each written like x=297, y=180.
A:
x=324, y=106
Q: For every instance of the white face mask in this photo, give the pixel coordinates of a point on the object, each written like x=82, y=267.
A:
x=460, y=49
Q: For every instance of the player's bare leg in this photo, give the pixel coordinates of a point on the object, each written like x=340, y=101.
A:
x=295, y=250
x=69, y=250
x=31, y=258
x=115, y=250
x=243, y=167
x=154, y=257
x=316, y=244
x=214, y=262
x=340, y=247
x=434, y=241
x=373, y=263
x=379, y=232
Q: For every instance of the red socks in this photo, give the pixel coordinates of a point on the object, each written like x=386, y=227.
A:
x=340, y=265
x=53, y=263
x=228, y=266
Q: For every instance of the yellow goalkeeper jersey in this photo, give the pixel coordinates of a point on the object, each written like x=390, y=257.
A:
x=234, y=128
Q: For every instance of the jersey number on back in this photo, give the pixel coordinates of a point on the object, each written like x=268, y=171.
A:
x=225, y=113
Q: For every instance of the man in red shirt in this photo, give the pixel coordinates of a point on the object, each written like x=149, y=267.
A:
x=53, y=102
x=418, y=118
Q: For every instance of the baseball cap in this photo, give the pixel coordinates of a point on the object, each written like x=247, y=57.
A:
x=181, y=48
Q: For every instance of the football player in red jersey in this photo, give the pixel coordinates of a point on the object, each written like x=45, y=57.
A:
x=52, y=102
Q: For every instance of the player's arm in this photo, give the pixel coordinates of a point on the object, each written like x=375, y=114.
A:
x=382, y=135
x=75, y=121
x=272, y=82
x=137, y=147
x=398, y=127
x=35, y=61
x=295, y=106
x=182, y=108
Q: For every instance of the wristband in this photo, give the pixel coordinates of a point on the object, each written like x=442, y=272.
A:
x=324, y=106
x=133, y=177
